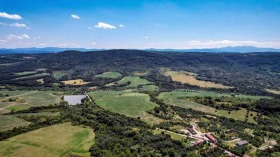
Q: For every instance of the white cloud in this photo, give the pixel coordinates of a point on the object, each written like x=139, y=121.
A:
x=121, y=25
x=93, y=43
x=10, y=16
x=18, y=25
x=89, y=27
x=146, y=37
x=104, y=26
x=20, y=37
x=75, y=17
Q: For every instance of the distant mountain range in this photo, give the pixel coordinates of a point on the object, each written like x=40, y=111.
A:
x=229, y=49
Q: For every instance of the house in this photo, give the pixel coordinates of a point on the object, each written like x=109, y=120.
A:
x=211, y=138
x=242, y=143
x=197, y=142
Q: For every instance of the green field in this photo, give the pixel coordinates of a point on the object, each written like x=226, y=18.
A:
x=174, y=136
x=59, y=74
x=57, y=140
x=135, y=81
x=149, y=88
x=113, y=75
x=28, y=99
x=128, y=103
x=33, y=76
x=8, y=122
x=172, y=98
x=30, y=72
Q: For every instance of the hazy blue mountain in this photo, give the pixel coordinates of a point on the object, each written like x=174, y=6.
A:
x=229, y=49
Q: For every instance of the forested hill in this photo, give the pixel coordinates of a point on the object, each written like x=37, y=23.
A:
x=140, y=58
x=242, y=70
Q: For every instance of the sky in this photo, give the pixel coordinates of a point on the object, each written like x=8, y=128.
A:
x=140, y=24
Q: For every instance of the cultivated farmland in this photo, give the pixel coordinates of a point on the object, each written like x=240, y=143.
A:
x=76, y=82
x=57, y=140
x=190, y=78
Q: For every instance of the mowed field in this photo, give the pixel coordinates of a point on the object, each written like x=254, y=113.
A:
x=190, y=78
x=8, y=122
x=149, y=88
x=135, y=81
x=173, y=99
x=127, y=103
x=27, y=99
x=24, y=100
x=76, y=82
x=57, y=140
x=113, y=75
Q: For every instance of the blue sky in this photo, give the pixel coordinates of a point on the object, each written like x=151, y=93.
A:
x=139, y=23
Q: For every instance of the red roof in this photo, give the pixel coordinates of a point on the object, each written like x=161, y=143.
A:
x=211, y=137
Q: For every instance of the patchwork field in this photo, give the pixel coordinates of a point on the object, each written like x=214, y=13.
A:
x=128, y=103
x=113, y=75
x=8, y=122
x=25, y=99
x=57, y=140
x=76, y=82
x=190, y=78
x=173, y=99
x=135, y=81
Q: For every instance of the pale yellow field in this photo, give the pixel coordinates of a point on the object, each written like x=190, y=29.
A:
x=190, y=78
x=56, y=140
x=76, y=82
x=138, y=73
x=273, y=91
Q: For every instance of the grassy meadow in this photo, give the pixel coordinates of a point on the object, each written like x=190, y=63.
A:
x=135, y=81
x=128, y=103
x=113, y=75
x=57, y=140
x=173, y=99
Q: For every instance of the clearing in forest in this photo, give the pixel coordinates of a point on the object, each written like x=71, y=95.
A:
x=175, y=98
x=112, y=75
x=190, y=78
x=273, y=91
x=134, y=81
x=57, y=140
x=59, y=74
x=76, y=82
x=20, y=100
x=131, y=104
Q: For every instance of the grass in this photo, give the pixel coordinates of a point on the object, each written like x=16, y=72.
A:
x=190, y=78
x=59, y=74
x=76, y=82
x=135, y=81
x=149, y=88
x=57, y=140
x=30, y=98
x=8, y=122
x=174, y=136
x=30, y=72
x=127, y=103
x=113, y=75
x=273, y=91
x=33, y=76
x=172, y=98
